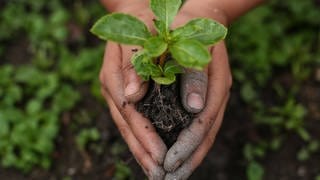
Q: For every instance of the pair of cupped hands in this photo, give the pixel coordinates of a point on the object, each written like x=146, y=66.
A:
x=205, y=93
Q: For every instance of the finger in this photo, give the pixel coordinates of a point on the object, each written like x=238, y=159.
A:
x=135, y=87
x=141, y=127
x=193, y=90
x=218, y=89
x=186, y=169
x=149, y=166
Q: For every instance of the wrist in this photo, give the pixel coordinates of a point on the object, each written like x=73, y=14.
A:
x=196, y=9
x=137, y=8
x=225, y=11
x=124, y=6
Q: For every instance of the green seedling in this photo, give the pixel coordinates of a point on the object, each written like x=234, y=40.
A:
x=169, y=51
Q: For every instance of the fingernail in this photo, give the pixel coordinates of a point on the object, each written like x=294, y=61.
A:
x=195, y=101
x=131, y=89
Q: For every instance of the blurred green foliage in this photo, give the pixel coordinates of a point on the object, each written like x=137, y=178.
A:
x=122, y=172
x=255, y=171
x=273, y=44
x=277, y=41
x=85, y=136
x=280, y=34
x=31, y=102
x=36, y=91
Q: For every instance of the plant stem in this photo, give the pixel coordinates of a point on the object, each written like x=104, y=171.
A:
x=161, y=62
x=162, y=59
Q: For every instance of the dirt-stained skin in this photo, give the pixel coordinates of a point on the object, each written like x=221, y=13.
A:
x=193, y=90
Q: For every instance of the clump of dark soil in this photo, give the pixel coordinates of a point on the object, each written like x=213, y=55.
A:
x=162, y=105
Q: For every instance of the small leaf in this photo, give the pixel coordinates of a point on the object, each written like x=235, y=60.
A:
x=34, y=106
x=121, y=28
x=303, y=154
x=165, y=10
x=255, y=171
x=190, y=53
x=155, y=46
x=144, y=66
x=166, y=80
x=248, y=92
x=206, y=31
x=171, y=67
x=122, y=171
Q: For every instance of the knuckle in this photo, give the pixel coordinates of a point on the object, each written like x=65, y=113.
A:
x=127, y=67
x=190, y=137
x=197, y=76
x=126, y=114
x=156, y=174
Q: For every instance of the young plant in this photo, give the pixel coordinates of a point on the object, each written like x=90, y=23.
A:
x=166, y=54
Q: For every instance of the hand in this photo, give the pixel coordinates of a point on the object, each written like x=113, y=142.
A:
x=122, y=87
x=212, y=85
x=195, y=141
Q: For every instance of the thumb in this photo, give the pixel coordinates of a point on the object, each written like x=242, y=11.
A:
x=134, y=87
x=194, y=90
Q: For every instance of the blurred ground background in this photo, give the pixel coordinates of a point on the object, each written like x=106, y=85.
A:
x=54, y=123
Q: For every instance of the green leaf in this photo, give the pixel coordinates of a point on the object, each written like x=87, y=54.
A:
x=121, y=28
x=144, y=66
x=255, y=171
x=122, y=171
x=165, y=10
x=313, y=146
x=161, y=28
x=190, y=53
x=166, y=80
x=206, y=31
x=34, y=106
x=171, y=67
x=303, y=154
x=155, y=46
x=4, y=127
x=248, y=93
x=304, y=134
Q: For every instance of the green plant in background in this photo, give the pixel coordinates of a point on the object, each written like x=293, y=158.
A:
x=57, y=65
x=187, y=45
x=254, y=170
x=122, y=171
x=286, y=47
x=35, y=92
x=85, y=136
x=305, y=152
x=27, y=134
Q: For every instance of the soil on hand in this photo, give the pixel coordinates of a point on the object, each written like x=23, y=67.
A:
x=162, y=105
